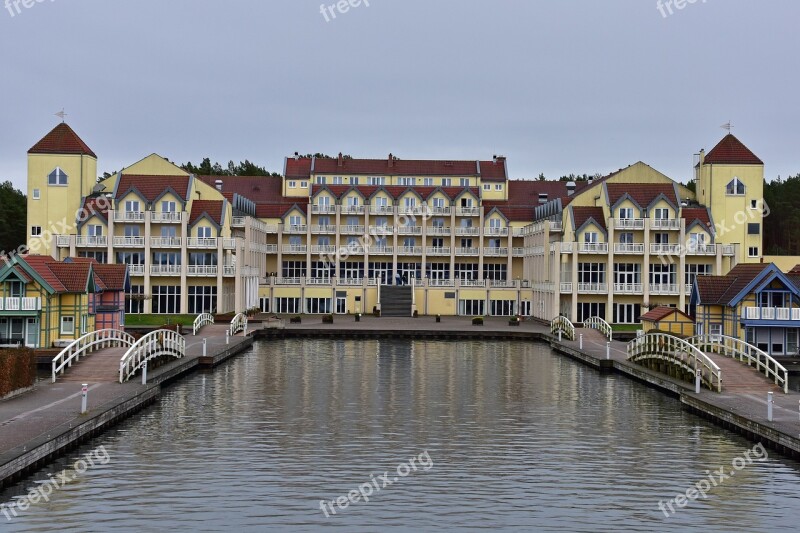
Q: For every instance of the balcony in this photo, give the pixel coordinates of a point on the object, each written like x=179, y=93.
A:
x=381, y=250
x=593, y=247
x=294, y=248
x=350, y=282
x=519, y=232
x=493, y=251
x=229, y=270
x=165, y=242
x=439, y=230
x=468, y=211
x=323, y=229
x=288, y=281
x=593, y=288
x=62, y=241
x=518, y=252
x=91, y=242
x=201, y=270
x=664, y=223
x=567, y=247
x=351, y=249
x=441, y=283
x=409, y=230
x=566, y=288
x=166, y=217
x=787, y=314
x=128, y=216
x=381, y=210
x=495, y=232
x=20, y=304
x=409, y=250
x=472, y=282
x=323, y=249
x=352, y=230
x=271, y=249
x=229, y=243
x=439, y=211
x=628, y=223
x=437, y=250
x=504, y=284
x=201, y=242
x=353, y=209
x=294, y=229
x=165, y=270
x=467, y=251
x=629, y=248
x=129, y=242
x=728, y=250
x=323, y=209
x=381, y=230
x=701, y=249
x=410, y=210
x=468, y=231
x=664, y=289
x=556, y=225
x=237, y=222
x=271, y=228
x=628, y=288
x=136, y=270
x=665, y=249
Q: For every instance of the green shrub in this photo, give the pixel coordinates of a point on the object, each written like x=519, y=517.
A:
x=17, y=370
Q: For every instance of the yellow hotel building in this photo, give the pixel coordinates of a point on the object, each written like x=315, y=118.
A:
x=344, y=235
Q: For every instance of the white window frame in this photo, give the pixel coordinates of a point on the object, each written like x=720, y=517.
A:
x=738, y=185
x=168, y=206
x=292, y=184
x=36, y=231
x=67, y=321
x=498, y=187
x=752, y=251
x=487, y=186
x=37, y=194
x=131, y=204
x=446, y=182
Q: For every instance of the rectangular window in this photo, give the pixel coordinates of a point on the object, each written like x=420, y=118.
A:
x=464, y=182
x=592, y=273
x=661, y=238
x=662, y=274
x=466, y=271
x=497, y=272
x=134, y=300
x=37, y=194
x=288, y=305
x=94, y=231
x=427, y=182
x=67, y=325
x=131, y=231
x=318, y=306
x=502, y=307
x=438, y=202
x=36, y=231
x=661, y=213
x=167, y=207
x=294, y=269
x=166, y=299
x=625, y=213
x=487, y=186
x=292, y=184
x=322, y=180
x=471, y=307
x=304, y=185
x=338, y=180
x=588, y=310
x=626, y=238
x=753, y=204
x=692, y=271
x=754, y=229
x=132, y=206
x=752, y=251
x=590, y=237
x=438, y=270
x=498, y=187
x=446, y=182
x=204, y=232
x=353, y=180
x=295, y=220
x=202, y=299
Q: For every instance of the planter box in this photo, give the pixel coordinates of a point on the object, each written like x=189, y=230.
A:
x=513, y=322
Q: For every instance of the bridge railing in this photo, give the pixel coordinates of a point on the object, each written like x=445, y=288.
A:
x=239, y=323
x=563, y=324
x=154, y=344
x=96, y=340
x=203, y=319
x=600, y=325
x=677, y=351
x=746, y=353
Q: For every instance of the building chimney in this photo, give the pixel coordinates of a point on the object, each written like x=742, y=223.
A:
x=341, y=160
x=571, y=185
x=702, y=155
x=391, y=160
x=296, y=156
x=494, y=159
x=218, y=185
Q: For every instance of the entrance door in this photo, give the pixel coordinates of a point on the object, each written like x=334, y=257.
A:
x=18, y=329
x=32, y=333
x=341, y=305
x=777, y=341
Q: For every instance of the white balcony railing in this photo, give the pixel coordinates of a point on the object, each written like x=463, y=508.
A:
x=294, y=248
x=409, y=230
x=664, y=288
x=62, y=241
x=128, y=216
x=136, y=270
x=229, y=270
x=165, y=242
x=381, y=230
x=323, y=209
x=628, y=288
x=593, y=247
x=295, y=228
x=518, y=252
x=495, y=251
x=439, y=210
x=165, y=270
x=323, y=249
x=629, y=223
x=665, y=223
x=701, y=249
x=772, y=313
x=410, y=210
x=237, y=222
x=101, y=240
x=381, y=210
x=166, y=217
x=593, y=288
x=468, y=211
x=201, y=242
x=556, y=225
x=566, y=288
x=438, y=230
x=202, y=270
x=129, y=242
x=323, y=228
x=468, y=231
x=229, y=243
x=495, y=232
x=353, y=209
x=467, y=251
x=20, y=304
x=381, y=250
x=352, y=230
x=665, y=249
x=409, y=250
x=438, y=250
x=629, y=248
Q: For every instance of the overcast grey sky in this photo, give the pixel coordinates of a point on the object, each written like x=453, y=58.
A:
x=558, y=86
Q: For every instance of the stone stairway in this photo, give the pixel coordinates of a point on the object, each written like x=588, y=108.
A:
x=396, y=301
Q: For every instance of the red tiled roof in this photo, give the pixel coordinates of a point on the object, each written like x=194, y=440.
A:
x=690, y=214
x=112, y=277
x=489, y=170
x=254, y=188
x=720, y=290
x=660, y=313
x=152, y=186
x=61, y=140
x=642, y=193
x=581, y=214
x=277, y=210
x=73, y=276
x=524, y=192
x=731, y=151
x=516, y=213
x=39, y=263
x=213, y=208
x=93, y=204
x=794, y=271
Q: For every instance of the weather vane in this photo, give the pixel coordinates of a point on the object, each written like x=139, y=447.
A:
x=727, y=126
x=61, y=114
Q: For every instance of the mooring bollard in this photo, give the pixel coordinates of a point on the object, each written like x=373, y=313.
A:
x=227, y=337
x=608, y=350
x=84, y=397
x=580, y=341
x=559, y=335
x=144, y=373
x=770, y=401
x=205, y=347
x=697, y=375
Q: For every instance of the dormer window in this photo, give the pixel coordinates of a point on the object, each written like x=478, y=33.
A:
x=735, y=187
x=57, y=177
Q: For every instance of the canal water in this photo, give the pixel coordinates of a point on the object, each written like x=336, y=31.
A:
x=465, y=436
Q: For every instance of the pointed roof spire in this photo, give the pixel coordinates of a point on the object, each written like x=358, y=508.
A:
x=731, y=151
x=62, y=140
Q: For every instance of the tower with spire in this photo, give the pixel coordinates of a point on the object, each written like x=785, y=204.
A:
x=730, y=180
x=62, y=170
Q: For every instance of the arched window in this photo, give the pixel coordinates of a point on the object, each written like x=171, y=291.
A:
x=57, y=177
x=735, y=187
